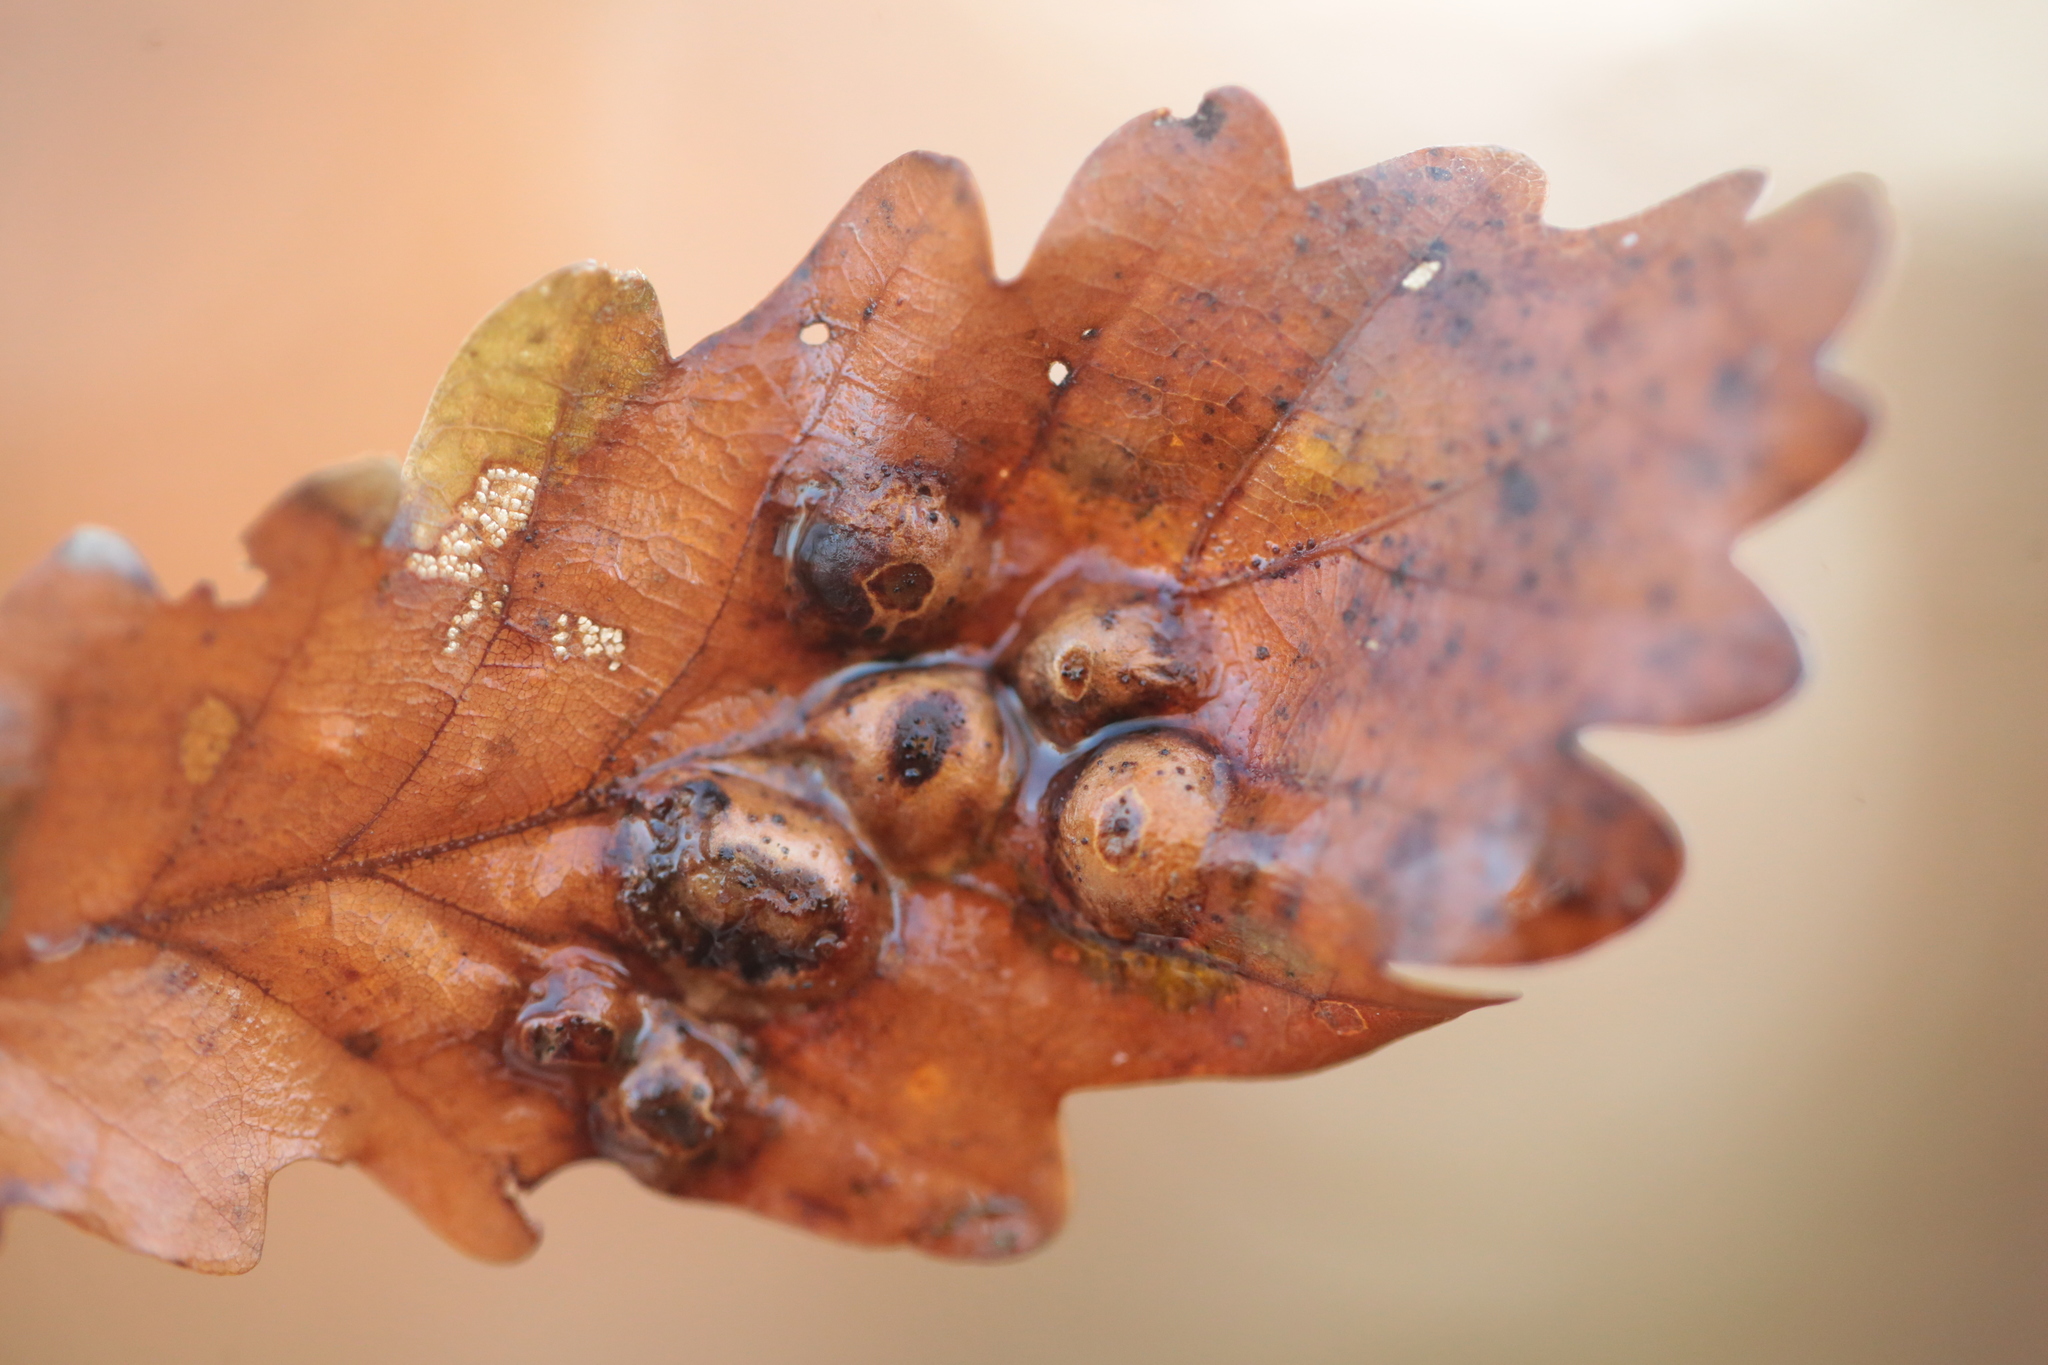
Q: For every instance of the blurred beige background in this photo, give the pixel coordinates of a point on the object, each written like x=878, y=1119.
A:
x=1802, y=1116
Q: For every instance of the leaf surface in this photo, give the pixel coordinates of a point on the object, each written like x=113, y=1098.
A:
x=789, y=767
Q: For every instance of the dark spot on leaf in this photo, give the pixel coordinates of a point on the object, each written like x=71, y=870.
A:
x=1206, y=121
x=832, y=562
x=1519, y=494
x=1734, y=390
x=924, y=732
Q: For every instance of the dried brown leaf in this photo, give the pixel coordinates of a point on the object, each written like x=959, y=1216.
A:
x=789, y=768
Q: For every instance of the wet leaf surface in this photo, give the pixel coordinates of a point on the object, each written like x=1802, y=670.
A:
x=788, y=768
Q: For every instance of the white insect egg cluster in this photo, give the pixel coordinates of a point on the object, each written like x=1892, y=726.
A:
x=589, y=640
x=497, y=508
x=473, y=613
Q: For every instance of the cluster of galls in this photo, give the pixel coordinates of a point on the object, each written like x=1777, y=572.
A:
x=766, y=881
x=669, y=1095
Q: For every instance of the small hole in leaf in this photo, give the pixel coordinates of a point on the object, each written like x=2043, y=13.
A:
x=814, y=334
x=1422, y=274
x=1057, y=372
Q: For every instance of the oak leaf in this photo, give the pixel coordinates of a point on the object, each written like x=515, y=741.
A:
x=789, y=767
